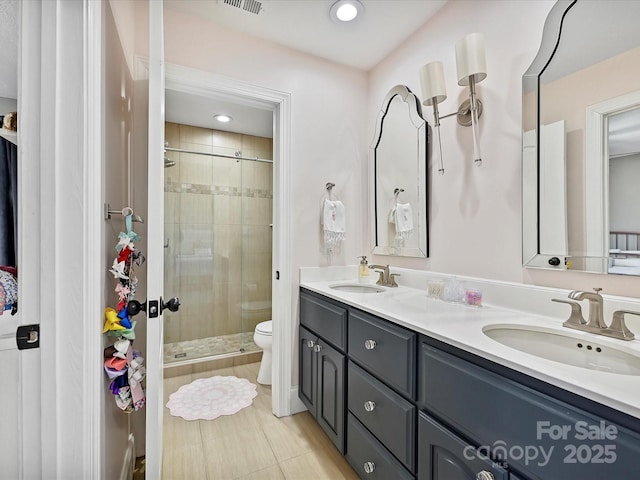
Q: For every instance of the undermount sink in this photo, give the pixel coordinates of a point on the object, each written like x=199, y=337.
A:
x=565, y=348
x=356, y=288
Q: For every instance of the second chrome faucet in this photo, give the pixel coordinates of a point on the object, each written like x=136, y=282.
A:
x=385, y=279
x=596, y=324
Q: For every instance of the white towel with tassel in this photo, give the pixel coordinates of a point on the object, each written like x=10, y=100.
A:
x=334, y=223
x=402, y=216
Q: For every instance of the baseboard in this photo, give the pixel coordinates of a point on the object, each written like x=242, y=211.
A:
x=129, y=461
x=296, y=404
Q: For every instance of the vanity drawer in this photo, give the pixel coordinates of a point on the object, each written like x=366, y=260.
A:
x=368, y=457
x=493, y=411
x=325, y=319
x=445, y=456
x=386, y=350
x=385, y=414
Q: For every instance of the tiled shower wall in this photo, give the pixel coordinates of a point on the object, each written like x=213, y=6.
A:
x=218, y=247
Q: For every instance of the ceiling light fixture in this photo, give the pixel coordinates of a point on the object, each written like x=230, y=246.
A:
x=346, y=10
x=222, y=118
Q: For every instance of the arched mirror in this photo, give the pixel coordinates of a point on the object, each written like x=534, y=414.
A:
x=581, y=140
x=398, y=169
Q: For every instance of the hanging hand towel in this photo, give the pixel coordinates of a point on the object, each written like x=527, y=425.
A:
x=403, y=218
x=333, y=220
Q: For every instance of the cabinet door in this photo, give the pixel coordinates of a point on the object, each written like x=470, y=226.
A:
x=307, y=375
x=444, y=456
x=330, y=405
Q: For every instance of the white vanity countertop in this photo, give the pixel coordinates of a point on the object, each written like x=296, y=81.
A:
x=462, y=326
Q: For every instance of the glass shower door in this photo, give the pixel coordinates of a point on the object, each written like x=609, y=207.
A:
x=218, y=245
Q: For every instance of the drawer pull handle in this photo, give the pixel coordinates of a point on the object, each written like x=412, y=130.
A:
x=369, y=467
x=310, y=343
x=484, y=475
x=317, y=348
x=369, y=406
x=370, y=344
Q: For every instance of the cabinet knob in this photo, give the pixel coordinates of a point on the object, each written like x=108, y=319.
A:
x=369, y=405
x=484, y=475
x=369, y=467
x=311, y=343
x=370, y=344
x=317, y=348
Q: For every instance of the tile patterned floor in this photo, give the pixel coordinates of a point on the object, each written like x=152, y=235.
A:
x=208, y=347
x=253, y=444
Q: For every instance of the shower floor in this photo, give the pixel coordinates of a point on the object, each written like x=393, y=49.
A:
x=235, y=344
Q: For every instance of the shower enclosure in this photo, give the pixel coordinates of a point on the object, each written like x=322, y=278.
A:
x=218, y=241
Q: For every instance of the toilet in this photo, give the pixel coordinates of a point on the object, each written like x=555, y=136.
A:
x=262, y=338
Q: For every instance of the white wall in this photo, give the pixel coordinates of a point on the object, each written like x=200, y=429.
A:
x=475, y=213
x=328, y=141
x=8, y=105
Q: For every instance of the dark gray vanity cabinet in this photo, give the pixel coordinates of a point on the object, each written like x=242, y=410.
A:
x=322, y=364
x=402, y=405
x=522, y=422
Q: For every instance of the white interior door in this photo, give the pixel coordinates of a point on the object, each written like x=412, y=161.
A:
x=155, y=235
x=10, y=398
x=20, y=399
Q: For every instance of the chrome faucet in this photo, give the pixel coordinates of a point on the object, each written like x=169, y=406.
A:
x=596, y=315
x=596, y=324
x=385, y=278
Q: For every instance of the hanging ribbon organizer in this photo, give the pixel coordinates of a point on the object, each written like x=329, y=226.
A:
x=123, y=365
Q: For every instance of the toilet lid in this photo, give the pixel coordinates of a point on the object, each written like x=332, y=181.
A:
x=265, y=327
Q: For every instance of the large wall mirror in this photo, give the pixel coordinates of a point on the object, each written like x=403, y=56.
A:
x=581, y=140
x=398, y=169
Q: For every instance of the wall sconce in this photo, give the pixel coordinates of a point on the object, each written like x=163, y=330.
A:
x=472, y=69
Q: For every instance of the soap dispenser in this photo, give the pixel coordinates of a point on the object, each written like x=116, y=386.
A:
x=363, y=270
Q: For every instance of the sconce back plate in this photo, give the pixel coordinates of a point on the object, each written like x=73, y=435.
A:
x=464, y=112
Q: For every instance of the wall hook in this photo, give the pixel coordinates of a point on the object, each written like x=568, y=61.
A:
x=124, y=212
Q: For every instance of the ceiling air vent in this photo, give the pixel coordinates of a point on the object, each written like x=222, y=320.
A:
x=233, y=3
x=252, y=6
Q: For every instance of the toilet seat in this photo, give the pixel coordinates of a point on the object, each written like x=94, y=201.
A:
x=265, y=328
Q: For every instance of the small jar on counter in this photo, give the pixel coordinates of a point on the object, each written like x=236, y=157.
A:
x=434, y=288
x=473, y=297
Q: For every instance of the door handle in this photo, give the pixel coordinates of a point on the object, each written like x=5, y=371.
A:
x=134, y=307
x=173, y=305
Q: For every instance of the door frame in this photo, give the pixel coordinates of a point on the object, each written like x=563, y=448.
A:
x=207, y=84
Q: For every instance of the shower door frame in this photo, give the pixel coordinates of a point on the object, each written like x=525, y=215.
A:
x=201, y=83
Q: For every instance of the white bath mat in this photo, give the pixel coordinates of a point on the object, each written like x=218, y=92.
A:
x=208, y=398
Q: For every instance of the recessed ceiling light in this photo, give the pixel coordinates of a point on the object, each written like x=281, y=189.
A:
x=223, y=118
x=346, y=10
